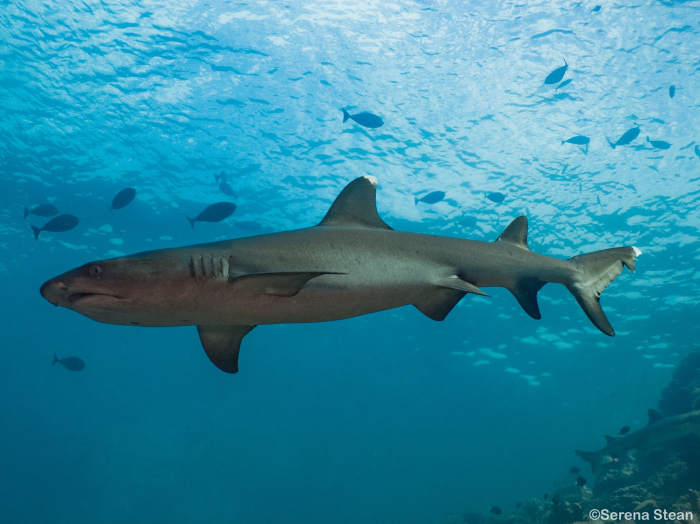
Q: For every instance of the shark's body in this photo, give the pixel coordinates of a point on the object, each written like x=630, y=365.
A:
x=658, y=431
x=350, y=264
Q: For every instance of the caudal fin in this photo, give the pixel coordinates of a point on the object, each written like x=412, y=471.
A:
x=589, y=456
x=55, y=359
x=346, y=115
x=594, y=272
x=36, y=230
x=191, y=221
x=609, y=142
x=26, y=212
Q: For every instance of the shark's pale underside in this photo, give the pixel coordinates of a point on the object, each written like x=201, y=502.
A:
x=350, y=264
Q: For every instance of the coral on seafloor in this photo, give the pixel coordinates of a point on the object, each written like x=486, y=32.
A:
x=652, y=477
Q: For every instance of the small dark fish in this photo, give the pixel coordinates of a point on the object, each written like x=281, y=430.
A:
x=44, y=210
x=496, y=197
x=555, y=76
x=546, y=496
x=72, y=363
x=364, y=119
x=578, y=140
x=595, y=9
x=122, y=199
x=697, y=151
x=519, y=505
x=248, y=225
x=227, y=190
x=659, y=144
x=431, y=198
x=563, y=84
x=556, y=499
x=626, y=138
x=574, y=470
x=580, y=482
x=496, y=510
x=214, y=213
x=624, y=430
x=220, y=176
x=672, y=91
x=57, y=225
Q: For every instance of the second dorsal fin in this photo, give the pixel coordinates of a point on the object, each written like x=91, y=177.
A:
x=515, y=233
x=356, y=206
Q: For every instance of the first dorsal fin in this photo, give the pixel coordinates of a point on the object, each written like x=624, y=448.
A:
x=609, y=439
x=654, y=416
x=515, y=233
x=356, y=206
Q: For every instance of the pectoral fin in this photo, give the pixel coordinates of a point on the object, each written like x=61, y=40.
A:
x=222, y=344
x=284, y=284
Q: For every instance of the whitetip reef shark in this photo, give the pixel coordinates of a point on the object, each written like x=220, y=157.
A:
x=350, y=264
x=658, y=431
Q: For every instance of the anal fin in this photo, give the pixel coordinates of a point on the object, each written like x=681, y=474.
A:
x=222, y=344
x=525, y=292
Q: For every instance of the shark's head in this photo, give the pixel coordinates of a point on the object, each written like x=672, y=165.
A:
x=130, y=290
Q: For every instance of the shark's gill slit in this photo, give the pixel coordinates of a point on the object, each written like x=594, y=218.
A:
x=201, y=263
x=192, y=273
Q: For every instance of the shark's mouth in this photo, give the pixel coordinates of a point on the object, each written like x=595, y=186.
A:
x=76, y=298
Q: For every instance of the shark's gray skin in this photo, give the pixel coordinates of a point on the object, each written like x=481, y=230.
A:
x=657, y=431
x=350, y=264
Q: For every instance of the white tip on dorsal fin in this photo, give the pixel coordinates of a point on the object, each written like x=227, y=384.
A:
x=515, y=233
x=637, y=251
x=356, y=206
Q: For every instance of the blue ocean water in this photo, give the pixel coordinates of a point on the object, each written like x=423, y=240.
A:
x=386, y=418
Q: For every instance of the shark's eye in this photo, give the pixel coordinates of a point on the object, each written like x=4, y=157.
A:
x=95, y=270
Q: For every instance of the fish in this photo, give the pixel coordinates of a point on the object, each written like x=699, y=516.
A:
x=350, y=264
x=71, y=363
x=431, y=198
x=579, y=140
x=658, y=430
x=556, y=499
x=496, y=197
x=574, y=470
x=214, y=213
x=626, y=138
x=624, y=430
x=43, y=210
x=221, y=176
x=496, y=510
x=595, y=9
x=697, y=151
x=672, y=91
x=555, y=76
x=580, y=482
x=122, y=199
x=546, y=496
x=227, y=190
x=365, y=119
x=563, y=84
x=658, y=144
x=59, y=224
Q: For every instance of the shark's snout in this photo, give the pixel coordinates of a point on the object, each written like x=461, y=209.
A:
x=54, y=290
